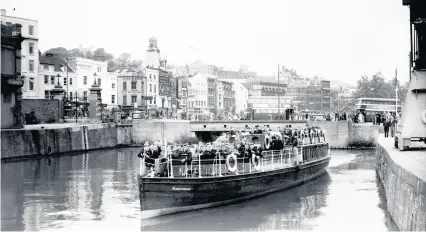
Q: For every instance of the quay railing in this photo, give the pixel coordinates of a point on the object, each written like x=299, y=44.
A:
x=234, y=164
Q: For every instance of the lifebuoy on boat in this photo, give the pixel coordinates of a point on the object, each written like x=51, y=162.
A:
x=228, y=162
x=424, y=116
x=253, y=160
x=267, y=142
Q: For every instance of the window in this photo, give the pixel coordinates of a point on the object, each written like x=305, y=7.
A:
x=99, y=81
x=134, y=99
x=31, y=49
x=99, y=69
x=150, y=101
x=52, y=80
x=65, y=81
x=46, y=67
x=154, y=77
x=85, y=80
x=113, y=85
x=124, y=85
x=150, y=76
x=31, y=66
x=155, y=88
x=31, y=83
x=124, y=100
x=31, y=30
x=46, y=95
x=113, y=99
x=150, y=88
x=134, y=85
x=46, y=79
x=142, y=86
x=70, y=81
x=85, y=95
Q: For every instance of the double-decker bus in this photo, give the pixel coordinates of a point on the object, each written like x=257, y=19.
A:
x=266, y=108
x=374, y=106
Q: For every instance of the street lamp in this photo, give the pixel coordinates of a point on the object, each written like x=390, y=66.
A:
x=95, y=75
x=58, y=85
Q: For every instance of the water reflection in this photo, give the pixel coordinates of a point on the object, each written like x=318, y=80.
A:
x=99, y=190
x=57, y=192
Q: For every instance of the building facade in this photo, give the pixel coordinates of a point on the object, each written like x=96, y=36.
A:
x=227, y=98
x=11, y=79
x=152, y=93
x=131, y=94
x=53, y=71
x=29, y=55
x=267, y=96
x=310, y=94
x=197, y=96
x=88, y=72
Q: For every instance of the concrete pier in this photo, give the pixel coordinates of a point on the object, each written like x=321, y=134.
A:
x=403, y=175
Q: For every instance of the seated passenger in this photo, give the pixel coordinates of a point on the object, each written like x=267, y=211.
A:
x=188, y=153
x=143, y=150
x=279, y=144
x=273, y=144
x=257, y=150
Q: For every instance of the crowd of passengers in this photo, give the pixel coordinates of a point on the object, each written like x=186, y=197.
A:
x=233, y=142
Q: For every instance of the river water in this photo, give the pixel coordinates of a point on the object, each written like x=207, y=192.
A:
x=98, y=191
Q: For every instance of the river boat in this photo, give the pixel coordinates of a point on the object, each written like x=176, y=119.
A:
x=229, y=179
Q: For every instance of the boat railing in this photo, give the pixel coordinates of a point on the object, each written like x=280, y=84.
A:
x=234, y=164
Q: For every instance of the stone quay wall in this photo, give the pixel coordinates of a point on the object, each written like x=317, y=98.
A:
x=345, y=133
x=45, y=110
x=405, y=191
x=38, y=142
x=151, y=130
x=338, y=134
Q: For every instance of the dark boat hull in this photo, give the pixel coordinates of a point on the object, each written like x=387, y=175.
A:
x=161, y=196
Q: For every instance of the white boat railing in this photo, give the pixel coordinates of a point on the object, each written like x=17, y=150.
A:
x=232, y=164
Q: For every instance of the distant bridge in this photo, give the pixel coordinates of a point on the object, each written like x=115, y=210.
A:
x=219, y=126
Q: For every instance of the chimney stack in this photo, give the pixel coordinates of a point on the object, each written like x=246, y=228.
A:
x=3, y=12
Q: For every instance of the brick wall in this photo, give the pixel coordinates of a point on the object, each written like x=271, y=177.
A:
x=45, y=110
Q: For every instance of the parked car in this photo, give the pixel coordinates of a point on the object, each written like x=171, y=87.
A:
x=137, y=115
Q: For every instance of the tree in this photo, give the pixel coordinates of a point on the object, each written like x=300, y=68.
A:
x=101, y=55
x=61, y=52
x=377, y=87
x=75, y=53
x=123, y=59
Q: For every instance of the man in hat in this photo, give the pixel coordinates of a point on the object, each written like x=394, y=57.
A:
x=257, y=130
x=188, y=153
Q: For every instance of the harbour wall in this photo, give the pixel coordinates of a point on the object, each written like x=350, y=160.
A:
x=151, y=130
x=405, y=190
x=338, y=134
x=39, y=142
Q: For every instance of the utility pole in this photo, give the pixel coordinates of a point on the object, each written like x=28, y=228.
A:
x=278, y=76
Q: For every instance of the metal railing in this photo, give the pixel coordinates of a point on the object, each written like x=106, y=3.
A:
x=224, y=165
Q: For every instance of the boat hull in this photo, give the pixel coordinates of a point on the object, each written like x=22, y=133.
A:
x=162, y=196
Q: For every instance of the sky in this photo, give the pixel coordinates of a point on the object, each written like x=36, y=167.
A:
x=334, y=39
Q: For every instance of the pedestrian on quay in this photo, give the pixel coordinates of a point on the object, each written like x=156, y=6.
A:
x=386, y=125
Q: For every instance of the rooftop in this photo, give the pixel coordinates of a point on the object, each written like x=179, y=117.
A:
x=56, y=61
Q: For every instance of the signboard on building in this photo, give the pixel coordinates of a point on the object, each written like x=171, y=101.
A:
x=179, y=88
x=164, y=81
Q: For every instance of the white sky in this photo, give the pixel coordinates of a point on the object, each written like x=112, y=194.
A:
x=335, y=39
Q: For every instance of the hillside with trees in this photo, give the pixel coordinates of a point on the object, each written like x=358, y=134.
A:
x=99, y=54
